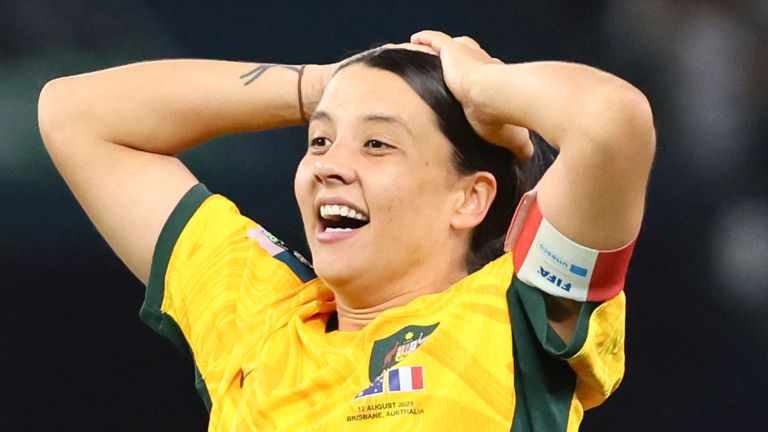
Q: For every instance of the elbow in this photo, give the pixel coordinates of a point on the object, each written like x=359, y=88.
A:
x=635, y=115
x=61, y=115
x=52, y=110
x=640, y=124
x=626, y=120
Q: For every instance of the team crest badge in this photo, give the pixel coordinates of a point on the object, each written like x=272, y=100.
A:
x=387, y=353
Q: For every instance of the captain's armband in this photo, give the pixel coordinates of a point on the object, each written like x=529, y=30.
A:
x=546, y=259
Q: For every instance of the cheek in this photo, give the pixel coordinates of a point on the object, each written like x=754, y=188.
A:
x=303, y=183
x=418, y=202
x=432, y=179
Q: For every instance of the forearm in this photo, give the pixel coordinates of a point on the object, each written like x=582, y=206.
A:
x=168, y=106
x=564, y=102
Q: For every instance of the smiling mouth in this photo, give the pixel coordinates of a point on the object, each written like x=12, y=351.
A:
x=341, y=218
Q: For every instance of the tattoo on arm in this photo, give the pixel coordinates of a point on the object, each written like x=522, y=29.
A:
x=256, y=72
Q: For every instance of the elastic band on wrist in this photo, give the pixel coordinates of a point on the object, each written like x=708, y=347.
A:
x=302, y=115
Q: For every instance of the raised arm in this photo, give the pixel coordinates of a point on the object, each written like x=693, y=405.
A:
x=113, y=134
x=594, y=192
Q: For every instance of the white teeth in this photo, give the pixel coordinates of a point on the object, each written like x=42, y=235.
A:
x=341, y=210
x=338, y=229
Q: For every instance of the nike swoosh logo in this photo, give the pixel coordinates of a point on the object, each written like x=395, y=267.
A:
x=243, y=376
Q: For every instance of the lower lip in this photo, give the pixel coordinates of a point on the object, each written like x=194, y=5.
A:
x=335, y=236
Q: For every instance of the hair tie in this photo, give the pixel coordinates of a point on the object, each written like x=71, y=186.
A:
x=301, y=100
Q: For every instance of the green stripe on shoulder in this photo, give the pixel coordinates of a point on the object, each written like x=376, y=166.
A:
x=544, y=382
x=151, y=312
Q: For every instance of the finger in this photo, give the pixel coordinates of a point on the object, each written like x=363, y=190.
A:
x=517, y=139
x=513, y=138
x=468, y=41
x=435, y=39
x=471, y=43
x=411, y=46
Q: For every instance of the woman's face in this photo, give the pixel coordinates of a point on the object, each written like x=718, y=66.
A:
x=377, y=187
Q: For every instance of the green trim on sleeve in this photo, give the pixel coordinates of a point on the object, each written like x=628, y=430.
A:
x=535, y=307
x=151, y=312
x=544, y=382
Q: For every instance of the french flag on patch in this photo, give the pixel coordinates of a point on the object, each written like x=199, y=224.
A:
x=405, y=379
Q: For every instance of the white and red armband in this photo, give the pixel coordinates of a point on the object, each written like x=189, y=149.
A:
x=546, y=259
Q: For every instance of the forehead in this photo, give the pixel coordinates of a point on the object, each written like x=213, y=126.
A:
x=359, y=91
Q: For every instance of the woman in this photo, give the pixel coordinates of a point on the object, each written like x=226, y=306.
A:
x=408, y=323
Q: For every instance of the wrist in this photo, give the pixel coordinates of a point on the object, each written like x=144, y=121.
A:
x=313, y=81
x=479, y=95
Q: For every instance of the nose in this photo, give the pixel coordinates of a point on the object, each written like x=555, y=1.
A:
x=330, y=172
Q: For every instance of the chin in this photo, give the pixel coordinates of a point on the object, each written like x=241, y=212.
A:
x=335, y=272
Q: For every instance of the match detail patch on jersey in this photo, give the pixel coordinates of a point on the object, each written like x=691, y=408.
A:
x=546, y=259
x=387, y=353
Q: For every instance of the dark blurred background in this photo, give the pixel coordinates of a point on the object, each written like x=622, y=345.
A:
x=74, y=355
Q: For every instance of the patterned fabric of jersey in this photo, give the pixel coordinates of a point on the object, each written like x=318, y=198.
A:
x=256, y=322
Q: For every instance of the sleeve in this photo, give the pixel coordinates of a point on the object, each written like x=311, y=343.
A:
x=213, y=269
x=555, y=381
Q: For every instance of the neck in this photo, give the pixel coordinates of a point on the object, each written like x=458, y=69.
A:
x=355, y=312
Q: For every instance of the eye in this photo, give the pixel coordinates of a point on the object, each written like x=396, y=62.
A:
x=377, y=145
x=319, y=144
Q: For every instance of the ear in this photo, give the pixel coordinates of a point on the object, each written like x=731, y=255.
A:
x=477, y=194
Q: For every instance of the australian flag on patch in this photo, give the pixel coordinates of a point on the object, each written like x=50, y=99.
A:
x=377, y=387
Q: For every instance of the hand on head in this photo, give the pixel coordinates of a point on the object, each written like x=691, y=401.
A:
x=463, y=61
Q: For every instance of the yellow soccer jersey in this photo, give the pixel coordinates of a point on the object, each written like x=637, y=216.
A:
x=260, y=327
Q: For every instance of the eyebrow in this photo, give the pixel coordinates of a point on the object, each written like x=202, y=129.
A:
x=376, y=118
x=320, y=115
